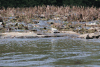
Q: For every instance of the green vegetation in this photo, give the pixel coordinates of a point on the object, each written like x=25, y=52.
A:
x=32, y=3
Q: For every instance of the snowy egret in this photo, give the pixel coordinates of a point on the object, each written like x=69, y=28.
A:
x=53, y=30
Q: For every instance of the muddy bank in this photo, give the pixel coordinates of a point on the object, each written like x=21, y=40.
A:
x=45, y=35
x=34, y=35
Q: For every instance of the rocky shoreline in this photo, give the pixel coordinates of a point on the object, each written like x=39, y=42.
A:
x=31, y=24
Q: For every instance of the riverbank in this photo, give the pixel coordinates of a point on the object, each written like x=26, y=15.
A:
x=75, y=22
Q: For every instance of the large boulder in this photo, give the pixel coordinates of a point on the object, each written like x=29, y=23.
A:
x=90, y=35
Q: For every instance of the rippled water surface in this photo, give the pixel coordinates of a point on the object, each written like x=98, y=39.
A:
x=49, y=52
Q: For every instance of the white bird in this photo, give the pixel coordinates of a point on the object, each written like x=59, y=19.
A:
x=0, y=23
x=53, y=30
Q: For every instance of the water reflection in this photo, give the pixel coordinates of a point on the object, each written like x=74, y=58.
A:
x=53, y=45
x=49, y=52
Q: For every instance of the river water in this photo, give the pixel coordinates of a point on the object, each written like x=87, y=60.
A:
x=50, y=52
